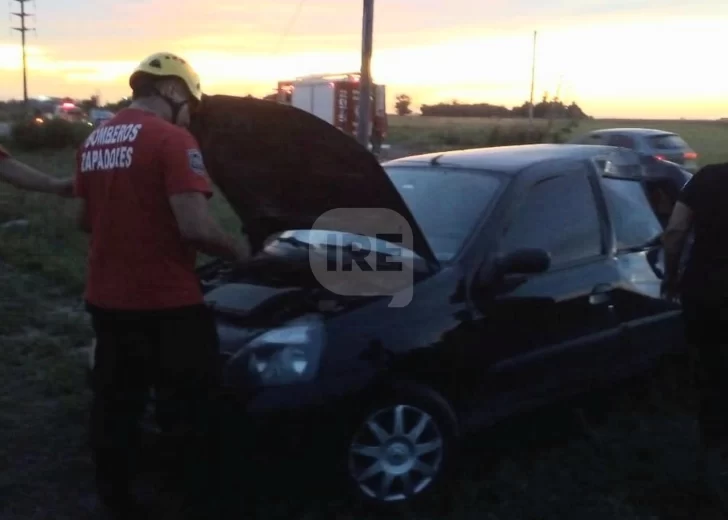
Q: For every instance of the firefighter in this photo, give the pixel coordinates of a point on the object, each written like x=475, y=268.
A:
x=25, y=177
x=703, y=291
x=144, y=191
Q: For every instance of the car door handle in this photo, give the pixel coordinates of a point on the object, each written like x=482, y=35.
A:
x=600, y=294
x=599, y=298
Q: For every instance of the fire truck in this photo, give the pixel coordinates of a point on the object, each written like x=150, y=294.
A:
x=70, y=112
x=335, y=99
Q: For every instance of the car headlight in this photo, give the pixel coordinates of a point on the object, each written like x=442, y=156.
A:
x=285, y=355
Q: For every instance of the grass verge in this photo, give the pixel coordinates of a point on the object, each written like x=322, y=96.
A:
x=425, y=134
x=631, y=459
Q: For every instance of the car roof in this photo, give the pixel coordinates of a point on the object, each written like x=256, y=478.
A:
x=645, y=132
x=505, y=159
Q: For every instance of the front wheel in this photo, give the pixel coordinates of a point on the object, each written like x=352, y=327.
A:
x=402, y=448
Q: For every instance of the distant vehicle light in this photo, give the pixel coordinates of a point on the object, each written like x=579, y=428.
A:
x=68, y=105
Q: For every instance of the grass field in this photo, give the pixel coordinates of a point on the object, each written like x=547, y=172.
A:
x=708, y=138
x=631, y=459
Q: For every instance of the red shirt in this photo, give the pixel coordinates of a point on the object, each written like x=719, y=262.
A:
x=126, y=171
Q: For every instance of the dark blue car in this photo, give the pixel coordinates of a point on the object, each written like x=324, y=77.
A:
x=537, y=277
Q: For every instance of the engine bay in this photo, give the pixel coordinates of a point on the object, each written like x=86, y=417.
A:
x=261, y=269
x=267, y=291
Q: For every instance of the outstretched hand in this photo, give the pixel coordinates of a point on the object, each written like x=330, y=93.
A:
x=62, y=187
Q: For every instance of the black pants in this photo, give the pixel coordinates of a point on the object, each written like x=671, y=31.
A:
x=705, y=311
x=175, y=352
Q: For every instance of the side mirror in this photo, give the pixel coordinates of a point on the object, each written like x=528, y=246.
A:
x=525, y=261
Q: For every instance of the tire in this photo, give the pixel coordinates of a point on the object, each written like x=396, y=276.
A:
x=368, y=461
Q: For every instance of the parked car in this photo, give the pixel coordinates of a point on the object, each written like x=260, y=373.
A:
x=666, y=146
x=537, y=277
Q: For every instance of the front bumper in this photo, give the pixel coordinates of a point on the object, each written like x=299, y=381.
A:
x=314, y=415
x=284, y=423
x=287, y=423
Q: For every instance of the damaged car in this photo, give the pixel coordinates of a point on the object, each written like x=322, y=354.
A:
x=534, y=275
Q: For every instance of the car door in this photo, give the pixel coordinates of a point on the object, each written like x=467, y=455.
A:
x=653, y=324
x=555, y=332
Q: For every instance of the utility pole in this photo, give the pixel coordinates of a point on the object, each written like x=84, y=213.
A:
x=533, y=82
x=365, y=85
x=22, y=30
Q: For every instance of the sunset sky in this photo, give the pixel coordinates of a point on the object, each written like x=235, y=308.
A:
x=616, y=58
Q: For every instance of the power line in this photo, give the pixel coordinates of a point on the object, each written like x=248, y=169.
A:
x=289, y=26
x=22, y=15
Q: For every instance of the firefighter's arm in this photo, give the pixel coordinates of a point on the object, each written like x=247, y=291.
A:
x=80, y=189
x=26, y=177
x=680, y=223
x=197, y=226
x=189, y=188
x=674, y=239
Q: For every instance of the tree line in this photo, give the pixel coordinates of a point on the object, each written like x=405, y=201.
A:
x=547, y=108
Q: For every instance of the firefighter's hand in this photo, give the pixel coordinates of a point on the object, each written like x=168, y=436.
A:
x=242, y=250
x=62, y=187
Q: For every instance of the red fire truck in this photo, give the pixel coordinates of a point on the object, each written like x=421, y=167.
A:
x=335, y=99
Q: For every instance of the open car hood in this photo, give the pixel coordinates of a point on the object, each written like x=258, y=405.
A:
x=281, y=168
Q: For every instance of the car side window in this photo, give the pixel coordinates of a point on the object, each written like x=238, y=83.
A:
x=623, y=141
x=559, y=215
x=593, y=139
x=633, y=218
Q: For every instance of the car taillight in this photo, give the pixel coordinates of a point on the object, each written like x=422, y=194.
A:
x=660, y=157
x=690, y=155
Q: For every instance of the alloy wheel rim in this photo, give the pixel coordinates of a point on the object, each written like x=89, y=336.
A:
x=396, y=453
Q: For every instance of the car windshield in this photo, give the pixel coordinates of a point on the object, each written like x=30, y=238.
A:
x=667, y=142
x=447, y=203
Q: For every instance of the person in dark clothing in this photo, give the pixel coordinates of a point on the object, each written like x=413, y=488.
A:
x=175, y=351
x=702, y=208
x=144, y=187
